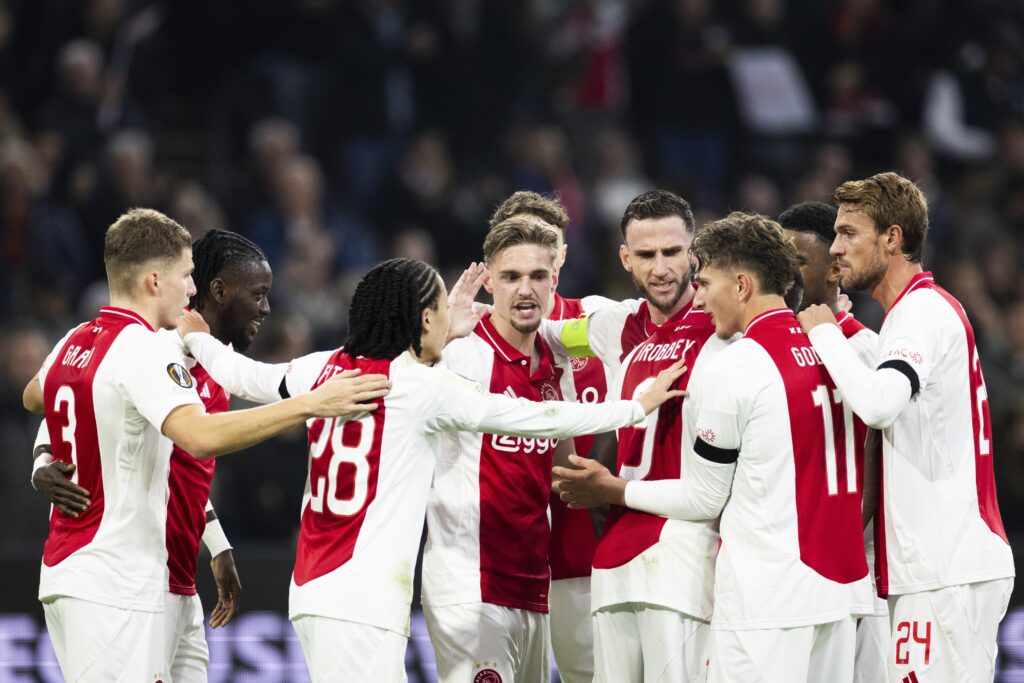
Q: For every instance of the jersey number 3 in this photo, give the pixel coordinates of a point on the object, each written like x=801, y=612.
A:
x=356, y=455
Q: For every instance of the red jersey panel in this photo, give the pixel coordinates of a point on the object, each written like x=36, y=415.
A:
x=189, y=484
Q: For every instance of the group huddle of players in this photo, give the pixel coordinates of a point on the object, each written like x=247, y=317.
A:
x=767, y=449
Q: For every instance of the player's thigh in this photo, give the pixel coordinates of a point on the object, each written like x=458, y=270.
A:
x=534, y=660
x=572, y=633
x=872, y=649
x=474, y=642
x=618, y=655
x=948, y=634
x=191, y=657
x=761, y=655
x=338, y=650
x=833, y=651
x=105, y=644
x=675, y=645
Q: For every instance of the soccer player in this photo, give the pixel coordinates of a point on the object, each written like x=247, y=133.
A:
x=942, y=554
x=573, y=532
x=765, y=459
x=369, y=478
x=652, y=578
x=115, y=395
x=233, y=280
x=811, y=227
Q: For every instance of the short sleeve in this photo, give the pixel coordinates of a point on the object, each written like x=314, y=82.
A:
x=303, y=372
x=155, y=379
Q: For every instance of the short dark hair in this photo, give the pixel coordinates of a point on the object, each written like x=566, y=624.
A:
x=216, y=254
x=137, y=237
x=749, y=241
x=548, y=209
x=657, y=204
x=890, y=199
x=815, y=218
x=384, y=318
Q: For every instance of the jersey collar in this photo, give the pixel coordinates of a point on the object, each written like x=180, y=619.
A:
x=774, y=313
x=650, y=327
x=124, y=314
x=508, y=353
x=917, y=282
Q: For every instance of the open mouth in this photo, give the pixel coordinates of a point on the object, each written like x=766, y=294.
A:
x=662, y=287
x=526, y=308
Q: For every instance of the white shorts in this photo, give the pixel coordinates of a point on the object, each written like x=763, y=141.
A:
x=804, y=654
x=572, y=632
x=872, y=648
x=95, y=642
x=338, y=651
x=185, y=636
x=947, y=634
x=484, y=643
x=639, y=642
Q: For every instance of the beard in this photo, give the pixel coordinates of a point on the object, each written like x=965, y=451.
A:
x=525, y=328
x=665, y=304
x=864, y=279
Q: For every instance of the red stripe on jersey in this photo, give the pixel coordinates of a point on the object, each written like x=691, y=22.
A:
x=189, y=485
x=515, y=485
x=828, y=514
x=573, y=539
x=988, y=504
x=344, y=460
x=627, y=533
x=71, y=423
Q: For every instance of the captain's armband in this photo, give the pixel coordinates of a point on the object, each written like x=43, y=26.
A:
x=574, y=338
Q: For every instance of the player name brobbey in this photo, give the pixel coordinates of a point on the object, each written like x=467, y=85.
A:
x=656, y=352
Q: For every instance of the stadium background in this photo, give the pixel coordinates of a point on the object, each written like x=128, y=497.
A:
x=337, y=132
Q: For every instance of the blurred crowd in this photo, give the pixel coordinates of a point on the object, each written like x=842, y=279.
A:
x=337, y=132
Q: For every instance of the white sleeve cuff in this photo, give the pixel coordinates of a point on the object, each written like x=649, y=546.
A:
x=214, y=538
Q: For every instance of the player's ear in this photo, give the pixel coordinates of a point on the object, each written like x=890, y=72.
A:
x=217, y=290
x=426, y=319
x=894, y=238
x=488, y=284
x=624, y=257
x=150, y=282
x=744, y=287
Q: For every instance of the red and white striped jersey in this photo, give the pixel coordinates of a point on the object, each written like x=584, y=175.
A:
x=643, y=557
x=573, y=538
x=865, y=342
x=107, y=388
x=189, y=484
x=792, y=540
x=941, y=522
x=366, y=495
x=487, y=520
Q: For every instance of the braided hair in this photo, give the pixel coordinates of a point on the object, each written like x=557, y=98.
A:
x=214, y=254
x=385, y=316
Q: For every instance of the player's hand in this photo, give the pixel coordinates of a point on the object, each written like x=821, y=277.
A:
x=54, y=482
x=347, y=394
x=229, y=589
x=812, y=316
x=463, y=312
x=192, y=321
x=587, y=483
x=661, y=390
x=844, y=303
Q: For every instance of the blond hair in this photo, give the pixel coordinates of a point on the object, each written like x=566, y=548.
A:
x=136, y=238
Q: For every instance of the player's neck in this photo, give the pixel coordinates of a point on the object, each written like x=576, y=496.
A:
x=897, y=276
x=523, y=342
x=217, y=327
x=659, y=317
x=146, y=310
x=761, y=303
x=549, y=307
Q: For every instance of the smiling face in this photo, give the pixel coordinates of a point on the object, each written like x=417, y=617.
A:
x=655, y=255
x=859, y=250
x=174, y=287
x=245, y=302
x=718, y=295
x=522, y=279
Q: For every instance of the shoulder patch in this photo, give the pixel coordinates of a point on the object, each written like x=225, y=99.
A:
x=179, y=375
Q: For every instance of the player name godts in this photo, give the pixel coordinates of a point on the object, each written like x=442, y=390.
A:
x=655, y=352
